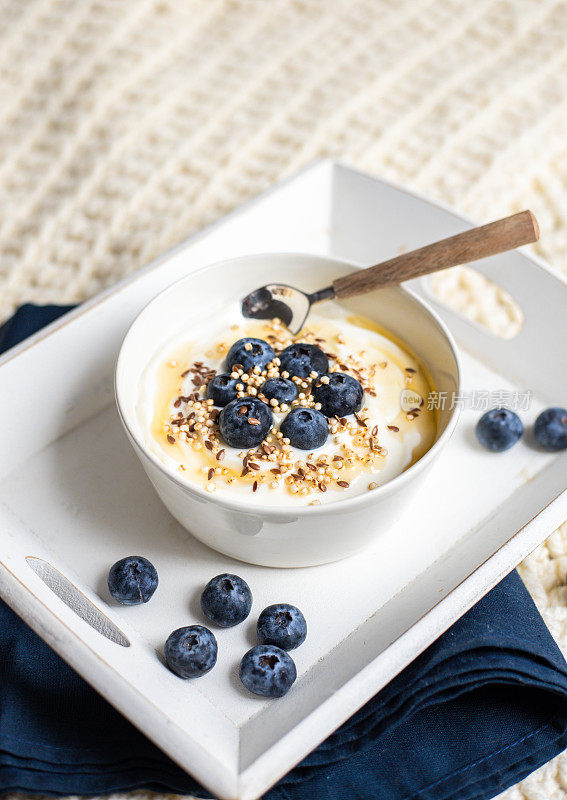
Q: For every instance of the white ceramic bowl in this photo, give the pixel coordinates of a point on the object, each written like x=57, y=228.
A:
x=269, y=535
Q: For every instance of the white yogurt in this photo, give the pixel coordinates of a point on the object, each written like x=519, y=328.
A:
x=388, y=369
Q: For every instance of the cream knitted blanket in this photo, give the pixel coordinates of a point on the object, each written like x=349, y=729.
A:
x=125, y=125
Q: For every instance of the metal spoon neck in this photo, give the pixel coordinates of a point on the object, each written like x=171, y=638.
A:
x=323, y=294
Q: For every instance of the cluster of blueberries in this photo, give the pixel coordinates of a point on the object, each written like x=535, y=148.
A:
x=306, y=428
x=191, y=651
x=499, y=429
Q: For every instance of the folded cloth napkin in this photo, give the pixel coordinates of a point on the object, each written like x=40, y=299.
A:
x=476, y=712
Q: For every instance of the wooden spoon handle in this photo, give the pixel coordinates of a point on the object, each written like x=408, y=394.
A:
x=487, y=240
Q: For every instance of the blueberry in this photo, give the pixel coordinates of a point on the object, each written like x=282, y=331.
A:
x=236, y=426
x=222, y=389
x=279, y=389
x=249, y=353
x=499, y=429
x=550, y=429
x=191, y=651
x=302, y=359
x=305, y=428
x=341, y=396
x=282, y=625
x=226, y=600
x=267, y=670
x=132, y=580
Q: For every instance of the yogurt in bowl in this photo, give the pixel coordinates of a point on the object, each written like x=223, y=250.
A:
x=276, y=503
x=390, y=429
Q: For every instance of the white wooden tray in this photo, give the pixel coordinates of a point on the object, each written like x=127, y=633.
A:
x=73, y=499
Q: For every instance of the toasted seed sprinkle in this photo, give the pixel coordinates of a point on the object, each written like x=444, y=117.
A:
x=322, y=487
x=244, y=472
x=255, y=486
x=343, y=484
x=312, y=466
x=184, y=374
x=375, y=430
x=242, y=411
x=410, y=369
x=170, y=438
x=253, y=465
x=221, y=454
x=360, y=421
x=253, y=421
x=276, y=471
x=393, y=428
x=197, y=380
x=210, y=473
x=208, y=444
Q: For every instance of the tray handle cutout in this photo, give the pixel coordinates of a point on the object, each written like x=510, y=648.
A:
x=493, y=308
x=76, y=600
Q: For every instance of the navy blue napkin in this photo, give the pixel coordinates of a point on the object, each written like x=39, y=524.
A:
x=480, y=709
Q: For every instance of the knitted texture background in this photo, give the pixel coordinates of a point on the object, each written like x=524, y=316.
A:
x=126, y=125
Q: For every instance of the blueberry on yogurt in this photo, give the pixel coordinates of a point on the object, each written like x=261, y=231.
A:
x=132, y=580
x=191, y=651
x=268, y=671
x=301, y=359
x=226, y=600
x=250, y=353
x=499, y=429
x=279, y=389
x=339, y=394
x=245, y=422
x=282, y=625
x=305, y=428
x=550, y=429
x=222, y=389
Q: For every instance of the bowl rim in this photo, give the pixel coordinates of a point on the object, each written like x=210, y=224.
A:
x=276, y=511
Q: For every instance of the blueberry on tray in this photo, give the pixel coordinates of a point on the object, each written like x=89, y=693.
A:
x=550, y=429
x=282, y=625
x=132, y=580
x=268, y=671
x=226, y=600
x=499, y=429
x=191, y=651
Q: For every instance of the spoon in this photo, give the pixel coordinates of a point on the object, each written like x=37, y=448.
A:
x=292, y=305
